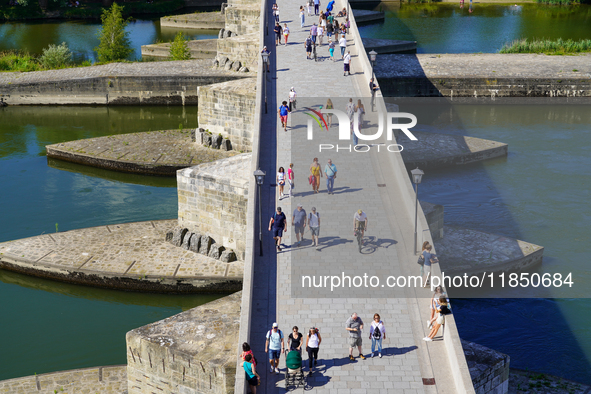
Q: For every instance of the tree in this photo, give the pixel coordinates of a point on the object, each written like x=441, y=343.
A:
x=114, y=40
x=179, y=49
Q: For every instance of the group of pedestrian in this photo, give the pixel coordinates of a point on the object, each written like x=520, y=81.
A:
x=352, y=111
x=377, y=333
x=439, y=308
x=316, y=172
x=300, y=219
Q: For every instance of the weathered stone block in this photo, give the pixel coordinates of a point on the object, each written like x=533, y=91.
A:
x=206, y=242
x=186, y=239
x=195, y=242
x=216, y=141
x=216, y=251
x=228, y=256
x=227, y=33
x=226, y=144
x=178, y=233
x=228, y=66
x=169, y=235
x=207, y=139
x=221, y=33
x=236, y=65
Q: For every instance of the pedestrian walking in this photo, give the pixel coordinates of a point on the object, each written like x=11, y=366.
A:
x=298, y=221
x=330, y=170
x=302, y=16
x=295, y=340
x=377, y=332
x=320, y=33
x=308, y=46
x=290, y=179
x=430, y=258
x=265, y=50
x=372, y=88
x=278, y=30
x=285, y=32
x=347, y=63
x=313, y=340
x=275, y=8
x=360, y=111
x=421, y=260
x=292, y=99
x=343, y=45
x=329, y=30
x=278, y=224
x=316, y=7
x=314, y=224
x=310, y=4
x=252, y=377
x=354, y=325
x=314, y=32
x=329, y=116
x=281, y=181
x=283, y=111
x=315, y=174
x=274, y=346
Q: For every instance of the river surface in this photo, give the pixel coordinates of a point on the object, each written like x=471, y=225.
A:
x=447, y=28
x=81, y=36
x=540, y=194
x=46, y=325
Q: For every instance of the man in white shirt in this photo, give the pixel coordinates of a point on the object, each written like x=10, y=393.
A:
x=292, y=99
x=360, y=222
x=347, y=63
x=343, y=45
x=314, y=223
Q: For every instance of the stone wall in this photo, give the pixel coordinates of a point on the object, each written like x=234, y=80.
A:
x=202, y=20
x=227, y=109
x=243, y=19
x=192, y=352
x=213, y=199
x=434, y=216
x=489, y=369
x=244, y=48
x=122, y=90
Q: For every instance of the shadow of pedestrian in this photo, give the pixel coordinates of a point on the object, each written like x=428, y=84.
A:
x=345, y=189
x=395, y=351
x=327, y=242
x=373, y=243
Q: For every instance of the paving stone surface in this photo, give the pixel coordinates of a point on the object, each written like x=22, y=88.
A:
x=104, y=380
x=172, y=148
x=131, y=249
x=276, y=296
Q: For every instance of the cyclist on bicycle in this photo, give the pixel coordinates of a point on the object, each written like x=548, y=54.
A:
x=360, y=223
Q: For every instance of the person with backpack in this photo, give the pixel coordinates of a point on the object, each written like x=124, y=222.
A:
x=377, y=332
x=278, y=223
x=278, y=32
x=274, y=346
x=308, y=45
x=440, y=320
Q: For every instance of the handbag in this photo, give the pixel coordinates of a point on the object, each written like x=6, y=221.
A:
x=311, y=179
x=421, y=260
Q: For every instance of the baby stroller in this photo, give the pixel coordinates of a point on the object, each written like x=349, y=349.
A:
x=294, y=375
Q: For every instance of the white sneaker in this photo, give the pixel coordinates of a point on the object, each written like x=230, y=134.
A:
x=380, y=355
x=276, y=370
x=427, y=339
x=371, y=354
x=272, y=370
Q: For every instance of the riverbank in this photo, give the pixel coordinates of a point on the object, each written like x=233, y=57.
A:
x=85, y=10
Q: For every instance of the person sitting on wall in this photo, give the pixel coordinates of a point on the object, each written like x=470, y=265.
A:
x=342, y=13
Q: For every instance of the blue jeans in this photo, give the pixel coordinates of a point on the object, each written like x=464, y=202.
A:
x=314, y=39
x=343, y=51
x=303, y=19
x=355, y=139
x=375, y=342
x=330, y=183
x=316, y=7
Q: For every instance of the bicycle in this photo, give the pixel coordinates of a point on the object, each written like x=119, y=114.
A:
x=359, y=236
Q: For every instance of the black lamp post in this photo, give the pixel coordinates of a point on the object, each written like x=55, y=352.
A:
x=259, y=176
x=265, y=56
x=372, y=56
x=417, y=175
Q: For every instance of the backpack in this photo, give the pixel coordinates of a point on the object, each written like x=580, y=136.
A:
x=377, y=333
x=444, y=309
x=271, y=332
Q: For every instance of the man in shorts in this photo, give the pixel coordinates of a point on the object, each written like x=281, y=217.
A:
x=283, y=111
x=360, y=223
x=314, y=224
x=278, y=224
x=298, y=221
x=354, y=325
x=275, y=346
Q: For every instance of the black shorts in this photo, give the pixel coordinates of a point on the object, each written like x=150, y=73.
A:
x=254, y=381
x=277, y=232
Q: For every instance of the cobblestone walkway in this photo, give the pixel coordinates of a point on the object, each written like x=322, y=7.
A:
x=356, y=188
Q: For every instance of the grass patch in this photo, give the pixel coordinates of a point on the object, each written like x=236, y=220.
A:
x=558, y=2
x=547, y=46
x=18, y=61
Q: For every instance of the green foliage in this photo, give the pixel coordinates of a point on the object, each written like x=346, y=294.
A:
x=18, y=61
x=179, y=49
x=114, y=40
x=56, y=56
x=23, y=2
x=558, y=2
x=547, y=46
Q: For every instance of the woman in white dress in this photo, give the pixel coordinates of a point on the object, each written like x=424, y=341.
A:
x=281, y=181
